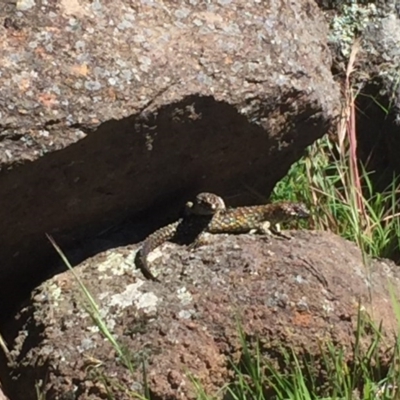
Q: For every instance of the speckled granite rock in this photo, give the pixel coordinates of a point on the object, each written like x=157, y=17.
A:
x=299, y=294
x=147, y=103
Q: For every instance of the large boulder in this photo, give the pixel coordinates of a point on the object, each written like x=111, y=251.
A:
x=301, y=295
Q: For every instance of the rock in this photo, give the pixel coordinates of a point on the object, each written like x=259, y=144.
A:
x=109, y=110
x=374, y=78
x=2, y=396
x=298, y=294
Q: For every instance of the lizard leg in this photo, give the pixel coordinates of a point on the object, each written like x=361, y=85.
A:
x=264, y=228
x=269, y=230
x=200, y=240
x=276, y=231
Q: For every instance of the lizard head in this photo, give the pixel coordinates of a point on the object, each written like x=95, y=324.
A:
x=205, y=204
x=295, y=210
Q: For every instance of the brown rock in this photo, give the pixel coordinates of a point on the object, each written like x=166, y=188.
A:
x=110, y=109
x=300, y=294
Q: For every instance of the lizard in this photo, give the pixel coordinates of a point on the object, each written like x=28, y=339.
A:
x=262, y=219
x=186, y=230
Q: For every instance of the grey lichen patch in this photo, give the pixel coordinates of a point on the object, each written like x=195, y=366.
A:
x=184, y=296
x=157, y=253
x=23, y=5
x=53, y=290
x=133, y=296
x=86, y=344
x=116, y=263
x=147, y=302
x=351, y=22
x=186, y=314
